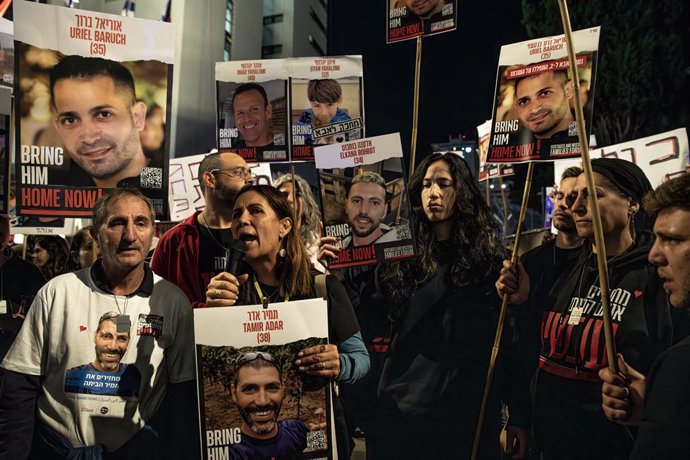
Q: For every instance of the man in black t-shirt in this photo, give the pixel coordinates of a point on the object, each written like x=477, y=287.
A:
x=193, y=252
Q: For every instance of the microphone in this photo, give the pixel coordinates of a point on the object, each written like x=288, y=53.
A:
x=233, y=256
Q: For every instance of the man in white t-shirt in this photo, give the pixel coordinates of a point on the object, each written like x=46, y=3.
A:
x=90, y=410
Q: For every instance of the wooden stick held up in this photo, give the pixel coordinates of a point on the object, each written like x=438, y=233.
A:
x=596, y=216
x=415, y=104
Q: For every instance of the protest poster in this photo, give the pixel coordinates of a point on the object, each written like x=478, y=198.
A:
x=241, y=349
x=6, y=53
x=102, y=123
x=184, y=193
x=533, y=116
x=252, y=103
x=662, y=157
x=489, y=170
x=407, y=19
x=326, y=102
x=364, y=200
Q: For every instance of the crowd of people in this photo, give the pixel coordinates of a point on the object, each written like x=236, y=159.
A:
x=409, y=340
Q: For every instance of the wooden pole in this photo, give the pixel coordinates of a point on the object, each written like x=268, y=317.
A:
x=592, y=196
x=415, y=104
x=504, y=199
x=502, y=316
x=488, y=191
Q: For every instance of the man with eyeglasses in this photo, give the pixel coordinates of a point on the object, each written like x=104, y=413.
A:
x=193, y=252
x=258, y=391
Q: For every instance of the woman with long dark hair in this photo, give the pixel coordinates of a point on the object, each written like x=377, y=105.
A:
x=51, y=255
x=277, y=270
x=444, y=311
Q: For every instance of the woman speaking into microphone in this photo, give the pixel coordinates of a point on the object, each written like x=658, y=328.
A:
x=277, y=270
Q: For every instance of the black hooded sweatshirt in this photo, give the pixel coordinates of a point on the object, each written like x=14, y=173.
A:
x=567, y=395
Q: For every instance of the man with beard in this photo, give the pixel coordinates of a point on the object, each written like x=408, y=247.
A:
x=258, y=391
x=543, y=265
x=98, y=119
x=193, y=252
x=111, y=345
x=543, y=103
x=660, y=403
x=366, y=207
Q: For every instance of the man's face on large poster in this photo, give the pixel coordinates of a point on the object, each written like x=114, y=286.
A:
x=99, y=124
x=543, y=103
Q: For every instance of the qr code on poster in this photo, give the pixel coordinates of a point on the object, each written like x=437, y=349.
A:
x=151, y=178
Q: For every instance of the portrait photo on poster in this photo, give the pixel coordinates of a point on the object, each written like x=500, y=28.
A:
x=290, y=420
x=325, y=111
x=364, y=200
x=534, y=105
x=252, y=120
x=91, y=109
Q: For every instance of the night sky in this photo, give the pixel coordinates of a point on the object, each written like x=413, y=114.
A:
x=458, y=68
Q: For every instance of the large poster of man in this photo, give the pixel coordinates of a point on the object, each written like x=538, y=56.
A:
x=254, y=400
x=327, y=102
x=91, y=108
x=364, y=200
x=407, y=19
x=533, y=118
x=252, y=100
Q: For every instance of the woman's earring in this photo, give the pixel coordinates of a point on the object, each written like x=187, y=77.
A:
x=282, y=252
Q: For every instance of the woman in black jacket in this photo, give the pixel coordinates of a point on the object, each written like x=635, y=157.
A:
x=444, y=310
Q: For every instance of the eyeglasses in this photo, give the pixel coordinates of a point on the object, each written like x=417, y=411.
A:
x=235, y=173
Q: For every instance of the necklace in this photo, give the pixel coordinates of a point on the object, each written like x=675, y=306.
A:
x=122, y=322
x=265, y=300
x=208, y=228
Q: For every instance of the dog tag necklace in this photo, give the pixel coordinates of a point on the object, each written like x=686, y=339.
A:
x=122, y=322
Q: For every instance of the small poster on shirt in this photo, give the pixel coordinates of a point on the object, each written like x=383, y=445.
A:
x=255, y=401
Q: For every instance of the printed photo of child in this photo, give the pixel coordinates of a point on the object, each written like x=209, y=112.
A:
x=325, y=98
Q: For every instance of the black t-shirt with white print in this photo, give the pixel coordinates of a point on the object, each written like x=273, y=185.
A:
x=212, y=244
